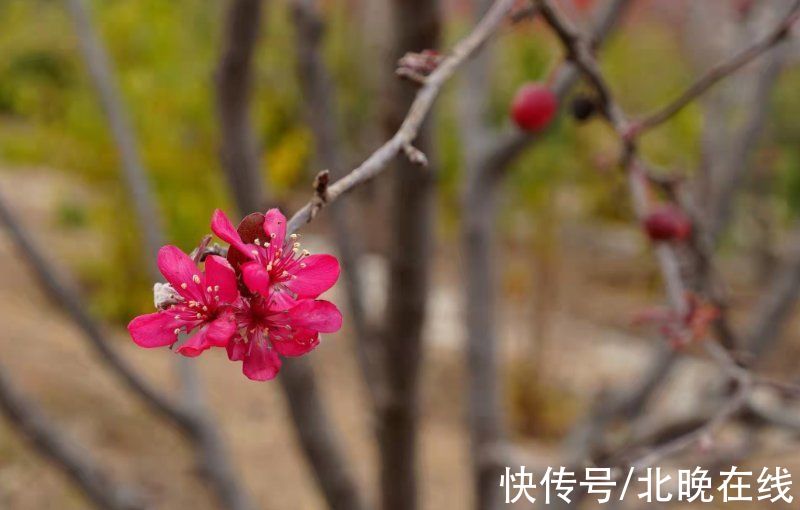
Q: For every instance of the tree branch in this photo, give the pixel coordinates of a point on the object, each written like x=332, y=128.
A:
x=211, y=451
x=774, y=307
x=722, y=70
x=72, y=460
x=316, y=434
x=239, y=151
x=70, y=300
x=487, y=161
x=320, y=92
x=417, y=112
x=638, y=183
x=416, y=27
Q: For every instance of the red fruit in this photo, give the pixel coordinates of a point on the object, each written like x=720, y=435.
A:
x=534, y=106
x=667, y=223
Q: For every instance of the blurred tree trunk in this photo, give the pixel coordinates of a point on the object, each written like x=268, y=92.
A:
x=318, y=438
x=416, y=27
x=320, y=91
x=479, y=210
x=488, y=157
x=239, y=152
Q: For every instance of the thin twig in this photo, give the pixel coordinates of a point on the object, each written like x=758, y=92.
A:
x=666, y=256
x=722, y=70
x=417, y=113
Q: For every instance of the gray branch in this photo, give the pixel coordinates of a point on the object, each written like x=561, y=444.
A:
x=487, y=162
x=774, y=308
x=419, y=109
x=316, y=434
x=66, y=297
x=320, y=91
x=74, y=461
x=211, y=451
x=239, y=151
x=416, y=26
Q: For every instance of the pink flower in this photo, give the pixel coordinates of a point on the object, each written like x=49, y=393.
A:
x=269, y=262
x=272, y=311
x=276, y=326
x=204, y=304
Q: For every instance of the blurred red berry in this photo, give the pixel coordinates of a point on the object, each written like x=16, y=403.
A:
x=667, y=223
x=534, y=106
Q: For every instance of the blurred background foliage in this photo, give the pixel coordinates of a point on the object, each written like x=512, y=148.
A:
x=165, y=55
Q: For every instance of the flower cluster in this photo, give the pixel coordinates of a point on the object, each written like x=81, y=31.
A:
x=259, y=303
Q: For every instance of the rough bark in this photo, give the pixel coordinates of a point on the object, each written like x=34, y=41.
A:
x=416, y=27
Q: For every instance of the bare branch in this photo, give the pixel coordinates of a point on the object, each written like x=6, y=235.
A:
x=100, y=70
x=201, y=427
x=737, y=160
x=317, y=437
x=68, y=298
x=316, y=434
x=774, y=307
x=668, y=262
x=419, y=109
x=734, y=404
x=722, y=70
x=72, y=460
x=488, y=158
x=416, y=28
x=320, y=92
x=239, y=151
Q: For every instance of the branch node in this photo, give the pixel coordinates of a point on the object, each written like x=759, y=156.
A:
x=416, y=67
x=415, y=155
x=411, y=75
x=320, y=192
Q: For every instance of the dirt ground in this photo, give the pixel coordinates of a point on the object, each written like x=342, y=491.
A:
x=50, y=360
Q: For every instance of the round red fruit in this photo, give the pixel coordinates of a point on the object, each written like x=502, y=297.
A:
x=534, y=106
x=667, y=223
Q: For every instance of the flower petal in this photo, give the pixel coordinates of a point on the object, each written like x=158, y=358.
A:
x=303, y=342
x=251, y=228
x=275, y=228
x=223, y=228
x=261, y=363
x=154, y=329
x=317, y=274
x=280, y=300
x=220, y=273
x=317, y=315
x=256, y=277
x=215, y=334
x=236, y=349
x=180, y=271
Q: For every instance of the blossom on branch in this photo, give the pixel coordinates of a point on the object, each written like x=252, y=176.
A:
x=259, y=304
